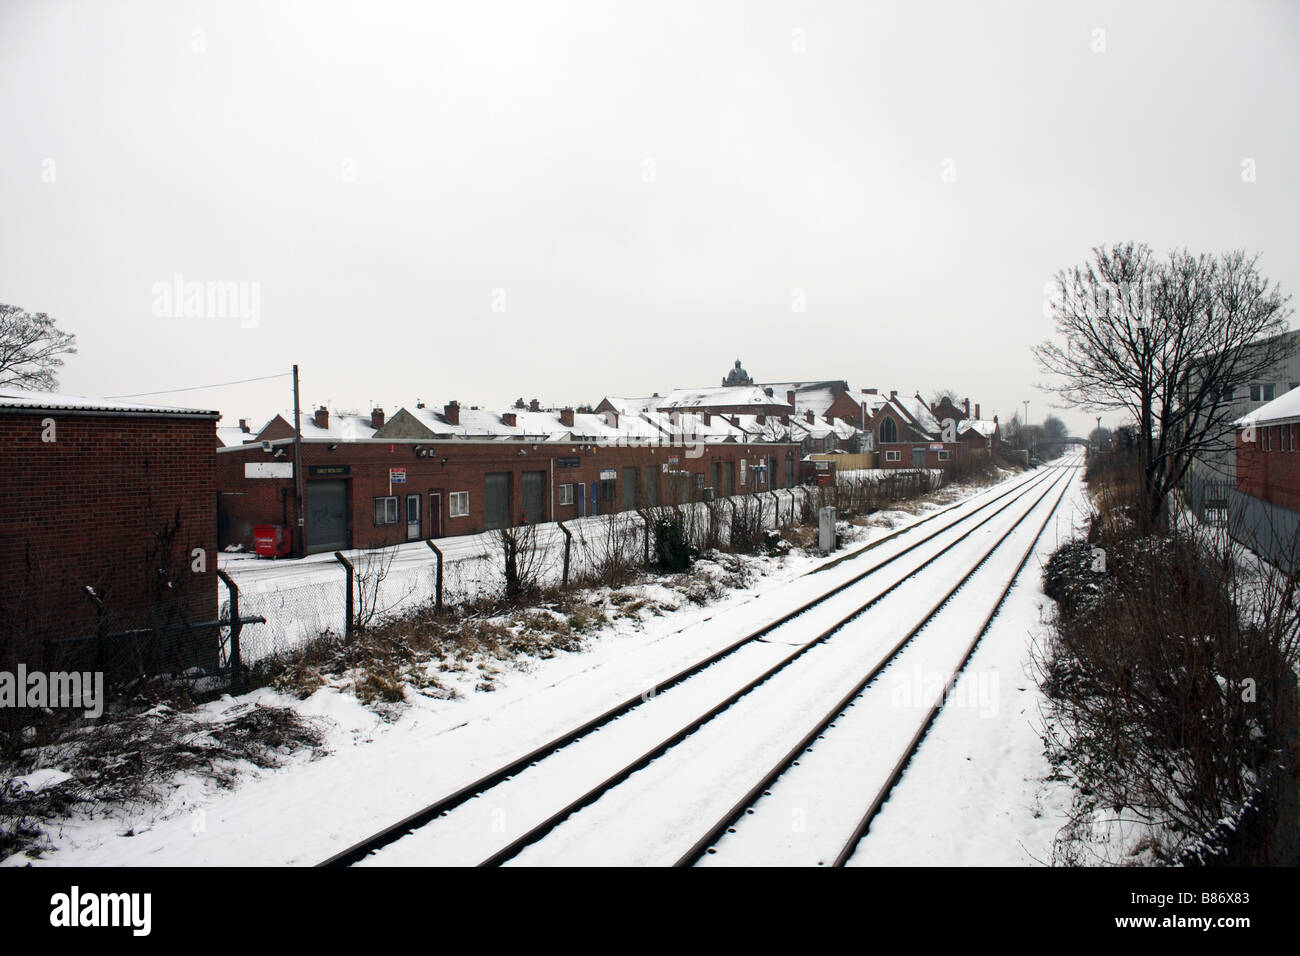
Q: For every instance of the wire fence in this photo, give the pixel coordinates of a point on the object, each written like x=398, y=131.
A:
x=301, y=601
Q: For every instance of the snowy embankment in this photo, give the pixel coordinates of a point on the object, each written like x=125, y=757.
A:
x=379, y=769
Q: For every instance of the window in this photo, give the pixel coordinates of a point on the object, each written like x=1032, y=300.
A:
x=945, y=455
x=893, y=456
x=386, y=510
x=459, y=504
x=566, y=494
x=1261, y=393
x=1227, y=394
x=888, y=433
x=699, y=480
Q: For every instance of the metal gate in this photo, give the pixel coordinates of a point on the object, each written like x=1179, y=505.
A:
x=327, y=515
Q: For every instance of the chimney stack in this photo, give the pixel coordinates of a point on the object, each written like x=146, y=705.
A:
x=534, y=406
x=893, y=393
x=789, y=397
x=376, y=418
x=322, y=417
x=977, y=409
x=761, y=419
x=451, y=412
x=869, y=391
x=243, y=425
x=509, y=418
x=965, y=404
x=566, y=417
x=706, y=417
x=808, y=416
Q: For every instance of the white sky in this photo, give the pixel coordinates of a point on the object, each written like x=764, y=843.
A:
x=379, y=170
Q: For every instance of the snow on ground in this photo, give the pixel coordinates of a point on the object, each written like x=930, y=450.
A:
x=380, y=770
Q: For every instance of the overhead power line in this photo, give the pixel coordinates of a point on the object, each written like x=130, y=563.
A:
x=199, y=388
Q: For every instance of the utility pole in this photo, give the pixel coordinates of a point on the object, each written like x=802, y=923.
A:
x=300, y=538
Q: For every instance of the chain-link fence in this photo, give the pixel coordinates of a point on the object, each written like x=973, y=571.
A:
x=300, y=601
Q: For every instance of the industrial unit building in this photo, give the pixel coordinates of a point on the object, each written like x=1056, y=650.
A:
x=106, y=525
x=376, y=480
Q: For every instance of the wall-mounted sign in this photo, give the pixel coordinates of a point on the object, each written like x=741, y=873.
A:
x=268, y=469
x=397, y=475
x=568, y=462
x=936, y=448
x=608, y=474
x=328, y=471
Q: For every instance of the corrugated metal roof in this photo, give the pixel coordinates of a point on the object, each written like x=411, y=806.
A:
x=57, y=401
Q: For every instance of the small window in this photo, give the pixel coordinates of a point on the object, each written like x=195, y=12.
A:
x=566, y=494
x=386, y=511
x=1227, y=394
x=459, y=504
x=893, y=456
x=1261, y=393
x=945, y=455
x=699, y=480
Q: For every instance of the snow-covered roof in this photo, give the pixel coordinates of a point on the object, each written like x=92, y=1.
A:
x=61, y=402
x=981, y=426
x=738, y=395
x=231, y=435
x=815, y=397
x=923, y=416
x=634, y=406
x=1284, y=408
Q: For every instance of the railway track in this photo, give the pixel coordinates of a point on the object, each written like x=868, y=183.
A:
x=727, y=827
x=939, y=537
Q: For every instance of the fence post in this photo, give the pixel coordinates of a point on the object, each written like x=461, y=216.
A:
x=568, y=542
x=437, y=578
x=645, y=517
x=236, y=625
x=776, y=509
x=347, y=604
x=731, y=531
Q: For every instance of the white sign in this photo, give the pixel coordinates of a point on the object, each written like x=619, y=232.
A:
x=608, y=474
x=268, y=469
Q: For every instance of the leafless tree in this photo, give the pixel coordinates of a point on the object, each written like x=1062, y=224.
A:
x=1163, y=340
x=30, y=349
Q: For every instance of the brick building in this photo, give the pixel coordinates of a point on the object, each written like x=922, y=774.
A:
x=110, y=499
x=1268, y=452
x=426, y=474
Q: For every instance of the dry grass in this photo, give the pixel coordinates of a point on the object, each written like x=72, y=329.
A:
x=134, y=757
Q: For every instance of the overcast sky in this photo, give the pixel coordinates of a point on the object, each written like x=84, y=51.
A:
x=485, y=201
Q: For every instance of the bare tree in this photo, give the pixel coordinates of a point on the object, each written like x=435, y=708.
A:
x=1163, y=340
x=30, y=346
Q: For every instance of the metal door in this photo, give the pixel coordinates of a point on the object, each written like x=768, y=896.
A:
x=327, y=515
x=580, y=496
x=533, y=488
x=497, y=499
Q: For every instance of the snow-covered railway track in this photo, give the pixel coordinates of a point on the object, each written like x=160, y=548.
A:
x=507, y=796
x=799, y=812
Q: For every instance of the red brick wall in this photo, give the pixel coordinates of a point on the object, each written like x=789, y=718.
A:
x=85, y=509
x=246, y=502
x=1269, y=467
